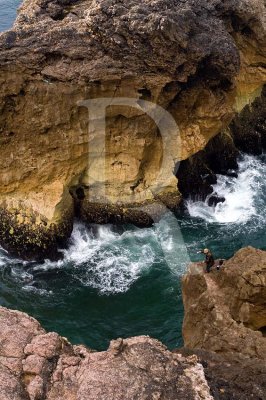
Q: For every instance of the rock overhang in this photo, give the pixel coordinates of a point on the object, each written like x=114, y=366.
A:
x=198, y=60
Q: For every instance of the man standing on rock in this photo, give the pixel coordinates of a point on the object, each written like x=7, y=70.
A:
x=209, y=259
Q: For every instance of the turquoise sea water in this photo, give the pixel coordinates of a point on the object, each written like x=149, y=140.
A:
x=8, y=11
x=118, y=282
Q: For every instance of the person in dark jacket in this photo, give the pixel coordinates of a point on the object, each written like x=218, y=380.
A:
x=209, y=259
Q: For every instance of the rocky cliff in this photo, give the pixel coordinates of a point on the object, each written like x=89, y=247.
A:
x=200, y=60
x=246, y=133
x=225, y=311
x=225, y=324
x=224, y=357
x=36, y=365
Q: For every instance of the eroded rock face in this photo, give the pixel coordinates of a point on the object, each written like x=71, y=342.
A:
x=197, y=175
x=246, y=133
x=200, y=60
x=37, y=365
x=225, y=311
x=249, y=128
x=231, y=377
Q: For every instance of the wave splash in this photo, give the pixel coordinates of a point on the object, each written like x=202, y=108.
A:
x=244, y=196
x=105, y=259
x=111, y=260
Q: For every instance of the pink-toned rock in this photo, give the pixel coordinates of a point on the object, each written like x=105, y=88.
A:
x=11, y=387
x=12, y=344
x=49, y=368
x=35, y=388
x=48, y=345
x=35, y=365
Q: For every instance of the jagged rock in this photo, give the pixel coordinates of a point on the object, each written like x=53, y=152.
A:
x=249, y=127
x=37, y=365
x=231, y=377
x=225, y=311
x=215, y=199
x=200, y=60
x=246, y=133
x=197, y=174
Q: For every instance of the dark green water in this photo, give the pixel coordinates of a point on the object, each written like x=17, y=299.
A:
x=122, y=282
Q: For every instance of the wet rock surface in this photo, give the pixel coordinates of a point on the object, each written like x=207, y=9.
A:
x=197, y=174
x=249, y=127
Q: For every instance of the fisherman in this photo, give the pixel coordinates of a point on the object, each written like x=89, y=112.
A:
x=209, y=259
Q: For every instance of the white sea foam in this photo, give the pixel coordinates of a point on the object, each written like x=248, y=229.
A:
x=171, y=240
x=111, y=262
x=240, y=194
x=106, y=260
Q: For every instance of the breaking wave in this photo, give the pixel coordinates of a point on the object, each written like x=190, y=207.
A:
x=106, y=259
x=245, y=195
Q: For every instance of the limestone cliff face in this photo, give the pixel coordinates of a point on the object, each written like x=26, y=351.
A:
x=246, y=133
x=200, y=60
x=225, y=311
x=37, y=365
